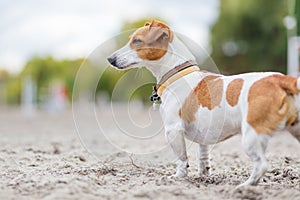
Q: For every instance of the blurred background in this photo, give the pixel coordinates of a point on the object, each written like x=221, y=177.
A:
x=44, y=43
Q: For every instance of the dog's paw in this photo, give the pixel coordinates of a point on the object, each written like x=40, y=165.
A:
x=240, y=187
x=244, y=185
x=179, y=174
x=204, y=171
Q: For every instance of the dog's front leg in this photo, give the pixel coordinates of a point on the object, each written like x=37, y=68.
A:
x=203, y=159
x=176, y=140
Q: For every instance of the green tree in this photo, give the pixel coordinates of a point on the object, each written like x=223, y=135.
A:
x=297, y=14
x=4, y=78
x=250, y=36
x=44, y=71
x=13, y=88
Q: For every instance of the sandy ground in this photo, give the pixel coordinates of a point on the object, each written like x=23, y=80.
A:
x=42, y=157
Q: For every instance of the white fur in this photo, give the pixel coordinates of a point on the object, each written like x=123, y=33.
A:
x=211, y=126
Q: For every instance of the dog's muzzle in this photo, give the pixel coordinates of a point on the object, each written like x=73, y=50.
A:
x=112, y=60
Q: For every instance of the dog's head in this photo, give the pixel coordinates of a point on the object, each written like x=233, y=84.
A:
x=147, y=44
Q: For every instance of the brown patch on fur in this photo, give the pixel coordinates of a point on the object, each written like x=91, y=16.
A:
x=269, y=103
x=208, y=93
x=189, y=108
x=233, y=91
x=292, y=113
x=154, y=39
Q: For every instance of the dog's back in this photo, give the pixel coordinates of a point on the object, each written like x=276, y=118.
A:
x=266, y=101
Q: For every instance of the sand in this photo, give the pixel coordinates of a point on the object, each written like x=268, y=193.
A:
x=42, y=157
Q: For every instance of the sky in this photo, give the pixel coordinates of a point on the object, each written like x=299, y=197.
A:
x=69, y=29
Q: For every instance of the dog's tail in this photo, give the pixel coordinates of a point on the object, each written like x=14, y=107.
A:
x=288, y=83
x=290, y=107
x=292, y=103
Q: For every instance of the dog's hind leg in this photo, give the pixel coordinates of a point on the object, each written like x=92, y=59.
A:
x=295, y=130
x=255, y=145
x=176, y=140
x=293, y=116
x=203, y=159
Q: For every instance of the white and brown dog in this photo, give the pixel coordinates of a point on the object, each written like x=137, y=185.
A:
x=206, y=107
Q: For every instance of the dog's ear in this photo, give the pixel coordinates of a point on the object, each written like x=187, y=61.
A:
x=156, y=23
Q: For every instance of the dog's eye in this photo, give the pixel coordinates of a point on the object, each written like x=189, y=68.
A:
x=136, y=41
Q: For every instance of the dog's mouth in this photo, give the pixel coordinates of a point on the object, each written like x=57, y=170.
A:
x=120, y=65
x=126, y=66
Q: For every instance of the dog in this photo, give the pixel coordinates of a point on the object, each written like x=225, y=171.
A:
x=206, y=107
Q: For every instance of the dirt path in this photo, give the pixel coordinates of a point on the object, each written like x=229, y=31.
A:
x=41, y=157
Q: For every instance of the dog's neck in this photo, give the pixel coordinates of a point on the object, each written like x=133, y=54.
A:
x=177, y=54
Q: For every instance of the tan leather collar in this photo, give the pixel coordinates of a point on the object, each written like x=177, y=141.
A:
x=174, y=71
x=175, y=77
x=171, y=76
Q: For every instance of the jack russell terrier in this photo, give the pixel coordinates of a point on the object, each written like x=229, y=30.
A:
x=208, y=108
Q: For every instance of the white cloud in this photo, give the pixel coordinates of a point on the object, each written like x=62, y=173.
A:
x=73, y=28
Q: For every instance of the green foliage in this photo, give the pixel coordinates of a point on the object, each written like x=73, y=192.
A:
x=297, y=14
x=250, y=36
x=144, y=92
x=108, y=81
x=13, y=88
x=112, y=79
x=44, y=71
x=5, y=80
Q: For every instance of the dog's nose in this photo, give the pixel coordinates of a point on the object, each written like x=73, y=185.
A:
x=112, y=60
